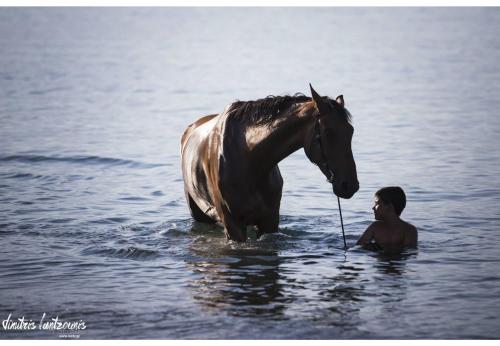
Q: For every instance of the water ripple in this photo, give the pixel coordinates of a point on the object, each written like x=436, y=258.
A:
x=130, y=252
x=79, y=159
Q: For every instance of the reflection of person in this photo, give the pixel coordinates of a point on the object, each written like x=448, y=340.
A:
x=389, y=232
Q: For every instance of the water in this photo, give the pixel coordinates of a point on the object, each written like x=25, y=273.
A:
x=93, y=222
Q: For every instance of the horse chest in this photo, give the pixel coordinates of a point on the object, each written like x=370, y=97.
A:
x=249, y=201
x=250, y=207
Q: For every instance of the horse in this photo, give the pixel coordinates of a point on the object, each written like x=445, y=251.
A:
x=230, y=160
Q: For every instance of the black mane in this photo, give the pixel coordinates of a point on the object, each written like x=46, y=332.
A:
x=264, y=111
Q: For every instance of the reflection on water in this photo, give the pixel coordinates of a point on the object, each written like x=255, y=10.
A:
x=394, y=263
x=237, y=279
x=266, y=281
x=245, y=285
x=341, y=294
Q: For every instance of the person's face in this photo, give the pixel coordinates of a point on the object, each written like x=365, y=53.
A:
x=380, y=209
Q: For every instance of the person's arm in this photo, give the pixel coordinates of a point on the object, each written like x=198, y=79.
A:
x=367, y=236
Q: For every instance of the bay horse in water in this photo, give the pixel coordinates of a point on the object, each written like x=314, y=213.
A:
x=230, y=160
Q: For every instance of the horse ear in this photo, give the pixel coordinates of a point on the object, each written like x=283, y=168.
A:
x=340, y=100
x=318, y=101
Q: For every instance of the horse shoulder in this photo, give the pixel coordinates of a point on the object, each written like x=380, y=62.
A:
x=232, y=150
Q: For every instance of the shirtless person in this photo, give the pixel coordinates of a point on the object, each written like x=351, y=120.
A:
x=389, y=232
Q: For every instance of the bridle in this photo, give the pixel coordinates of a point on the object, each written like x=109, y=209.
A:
x=323, y=163
x=323, y=160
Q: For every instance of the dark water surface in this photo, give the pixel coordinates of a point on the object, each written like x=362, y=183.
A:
x=93, y=222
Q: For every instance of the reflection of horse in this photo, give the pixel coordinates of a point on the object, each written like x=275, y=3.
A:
x=229, y=161
x=246, y=285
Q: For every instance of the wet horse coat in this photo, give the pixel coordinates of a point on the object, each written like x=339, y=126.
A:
x=229, y=161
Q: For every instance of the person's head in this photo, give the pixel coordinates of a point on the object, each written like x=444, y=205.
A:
x=389, y=201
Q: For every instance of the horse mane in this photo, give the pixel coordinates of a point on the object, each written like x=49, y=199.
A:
x=264, y=111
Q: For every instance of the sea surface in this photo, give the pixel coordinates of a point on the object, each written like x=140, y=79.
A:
x=94, y=227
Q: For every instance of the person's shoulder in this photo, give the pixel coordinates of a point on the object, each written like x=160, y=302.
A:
x=411, y=236
x=376, y=225
x=410, y=227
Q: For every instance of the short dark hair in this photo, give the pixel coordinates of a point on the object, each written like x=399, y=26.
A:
x=393, y=195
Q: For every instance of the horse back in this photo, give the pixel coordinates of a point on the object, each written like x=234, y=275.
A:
x=191, y=127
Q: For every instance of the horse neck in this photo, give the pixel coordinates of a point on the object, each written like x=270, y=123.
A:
x=269, y=144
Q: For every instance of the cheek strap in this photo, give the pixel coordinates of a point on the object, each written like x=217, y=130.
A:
x=322, y=163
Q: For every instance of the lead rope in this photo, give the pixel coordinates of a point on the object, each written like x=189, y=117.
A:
x=330, y=179
x=342, y=223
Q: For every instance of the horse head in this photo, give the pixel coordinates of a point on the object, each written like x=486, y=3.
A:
x=328, y=144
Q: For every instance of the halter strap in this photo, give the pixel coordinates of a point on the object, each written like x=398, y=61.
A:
x=324, y=163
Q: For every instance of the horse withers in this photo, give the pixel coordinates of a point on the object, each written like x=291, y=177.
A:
x=230, y=160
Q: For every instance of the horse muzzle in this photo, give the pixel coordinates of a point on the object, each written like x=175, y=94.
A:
x=345, y=189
